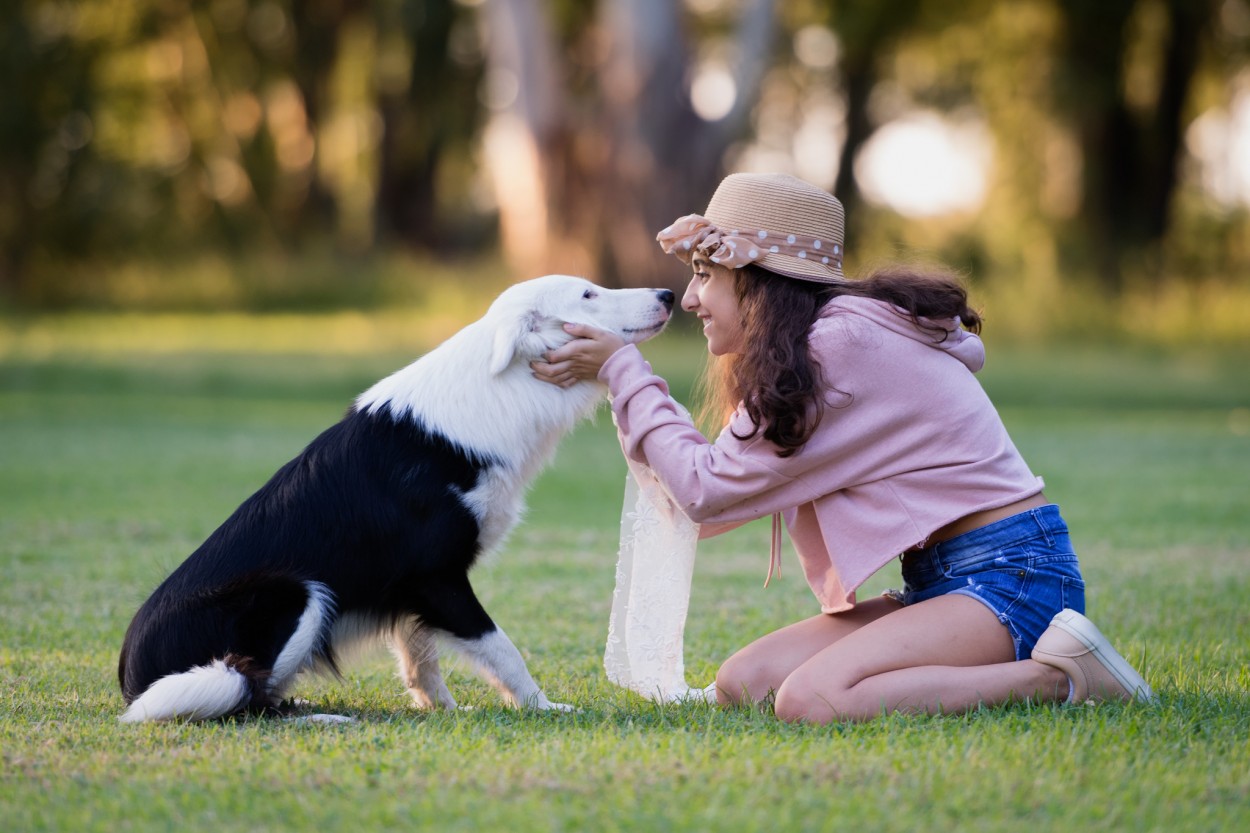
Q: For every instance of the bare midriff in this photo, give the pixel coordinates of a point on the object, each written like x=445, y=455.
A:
x=984, y=518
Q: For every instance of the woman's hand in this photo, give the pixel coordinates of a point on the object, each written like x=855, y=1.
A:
x=580, y=359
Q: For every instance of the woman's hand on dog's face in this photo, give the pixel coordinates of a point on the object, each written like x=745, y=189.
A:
x=580, y=359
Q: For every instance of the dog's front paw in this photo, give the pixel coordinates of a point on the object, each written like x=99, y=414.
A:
x=558, y=707
x=539, y=702
x=441, y=700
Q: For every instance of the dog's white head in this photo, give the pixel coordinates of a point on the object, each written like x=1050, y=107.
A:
x=528, y=318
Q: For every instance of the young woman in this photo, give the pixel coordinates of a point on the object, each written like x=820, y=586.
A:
x=856, y=417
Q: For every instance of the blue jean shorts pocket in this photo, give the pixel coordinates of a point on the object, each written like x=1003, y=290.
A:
x=1002, y=583
x=1074, y=594
x=1022, y=568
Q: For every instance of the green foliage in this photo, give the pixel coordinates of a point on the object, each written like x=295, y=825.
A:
x=119, y=458
x=148, y=128
x=317, y=277
x=145, y=131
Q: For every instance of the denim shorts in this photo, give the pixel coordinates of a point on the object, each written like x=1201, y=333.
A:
x=1022, y=568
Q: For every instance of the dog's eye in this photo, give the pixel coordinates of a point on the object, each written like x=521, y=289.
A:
x=589, y=294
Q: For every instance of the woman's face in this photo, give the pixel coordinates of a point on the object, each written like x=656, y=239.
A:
x=712, y=298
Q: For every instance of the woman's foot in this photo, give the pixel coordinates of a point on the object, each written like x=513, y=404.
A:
x=1095, y=670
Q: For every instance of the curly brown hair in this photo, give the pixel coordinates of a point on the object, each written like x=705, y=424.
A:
x=775, y=378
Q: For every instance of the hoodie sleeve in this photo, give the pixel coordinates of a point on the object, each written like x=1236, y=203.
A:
x=900, y=400
x=729, y=481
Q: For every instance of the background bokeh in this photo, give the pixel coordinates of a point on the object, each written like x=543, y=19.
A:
x=220, y=220
x=1087, y=165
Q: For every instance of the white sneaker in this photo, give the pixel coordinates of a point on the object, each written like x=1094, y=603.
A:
x=1096, y=671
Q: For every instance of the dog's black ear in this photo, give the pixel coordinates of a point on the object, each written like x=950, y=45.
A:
x=508, y=337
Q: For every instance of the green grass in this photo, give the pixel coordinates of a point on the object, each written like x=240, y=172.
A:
x=117, y=459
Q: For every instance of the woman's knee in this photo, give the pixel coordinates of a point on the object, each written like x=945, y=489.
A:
x=742, y=680
x=801, y=699
x=794, y=702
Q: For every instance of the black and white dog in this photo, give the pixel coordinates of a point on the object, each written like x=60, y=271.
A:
x=372, y=529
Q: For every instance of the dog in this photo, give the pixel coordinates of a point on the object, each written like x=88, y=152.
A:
x=372, y=529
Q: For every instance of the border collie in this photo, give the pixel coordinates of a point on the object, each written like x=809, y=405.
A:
x=371, y=530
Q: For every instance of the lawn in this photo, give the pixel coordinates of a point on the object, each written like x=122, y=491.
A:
x=124, y=441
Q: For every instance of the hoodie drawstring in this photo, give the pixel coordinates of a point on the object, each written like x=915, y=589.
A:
x=774, y=554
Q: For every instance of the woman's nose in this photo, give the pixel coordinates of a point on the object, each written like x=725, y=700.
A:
x=690, y=300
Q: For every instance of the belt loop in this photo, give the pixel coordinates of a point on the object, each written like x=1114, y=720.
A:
x=1042, y=525
x=934, y=557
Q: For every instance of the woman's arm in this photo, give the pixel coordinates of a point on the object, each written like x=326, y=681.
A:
x=583, y=359
x=726, y=481
x=706, y=480
x=729, y=480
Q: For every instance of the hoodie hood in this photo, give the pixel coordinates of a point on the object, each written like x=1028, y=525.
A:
x=945, y=334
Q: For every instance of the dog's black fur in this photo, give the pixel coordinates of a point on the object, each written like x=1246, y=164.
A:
x=372, y=529
x=365, y=510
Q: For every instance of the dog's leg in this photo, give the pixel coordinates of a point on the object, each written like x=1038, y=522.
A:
x=500, y=663
x=452, y=608
x=298, y=653
x=417, y=653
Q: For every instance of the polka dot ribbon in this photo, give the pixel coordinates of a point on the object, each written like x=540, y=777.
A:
x=735, y=249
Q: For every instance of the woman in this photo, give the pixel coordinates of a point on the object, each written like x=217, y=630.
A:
x=859, y=421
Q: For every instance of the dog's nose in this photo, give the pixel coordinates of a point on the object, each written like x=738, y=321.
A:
x=666, y=297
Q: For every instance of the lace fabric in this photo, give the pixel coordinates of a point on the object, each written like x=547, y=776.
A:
x=655, y=565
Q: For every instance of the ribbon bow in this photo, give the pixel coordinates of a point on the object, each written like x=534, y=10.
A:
x=735, y=249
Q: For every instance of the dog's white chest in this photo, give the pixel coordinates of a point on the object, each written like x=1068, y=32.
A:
x=496, y=501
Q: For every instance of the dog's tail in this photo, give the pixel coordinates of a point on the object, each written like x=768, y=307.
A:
x=236, y=681
x=205, y=692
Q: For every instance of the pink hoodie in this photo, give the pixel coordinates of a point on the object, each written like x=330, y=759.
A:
x=909, y=444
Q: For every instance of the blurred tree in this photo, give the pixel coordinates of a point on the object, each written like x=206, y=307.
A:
x=1124, y=88
x=429, y=72
x=317, y=28
x=150, y=127
x=45, y=130
x=587, y=173
x=867, y=31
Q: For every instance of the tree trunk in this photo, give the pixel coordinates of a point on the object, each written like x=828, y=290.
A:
x=859, y=79
x=419, y=121
x=1130, y=170
x=584, y=186
x=524, y=131
x=867, y=29
x=1188, y=22
x=317, y=27
x=1095, y=50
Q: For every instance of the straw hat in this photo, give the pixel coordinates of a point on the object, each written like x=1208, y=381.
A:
x=784, y=224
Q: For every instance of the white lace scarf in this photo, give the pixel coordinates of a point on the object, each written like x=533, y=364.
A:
x=653, y=573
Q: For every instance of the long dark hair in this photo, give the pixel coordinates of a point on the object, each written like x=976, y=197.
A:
x=775, y=377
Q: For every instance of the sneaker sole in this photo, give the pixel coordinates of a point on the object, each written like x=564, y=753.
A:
x=1089, y=635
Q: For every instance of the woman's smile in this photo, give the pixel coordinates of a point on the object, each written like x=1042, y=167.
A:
x=712, y=297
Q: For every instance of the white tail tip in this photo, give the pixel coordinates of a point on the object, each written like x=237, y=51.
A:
x=203, y=693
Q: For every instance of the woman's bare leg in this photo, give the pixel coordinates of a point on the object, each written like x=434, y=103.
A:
x=756, y=671
x=944, y=655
